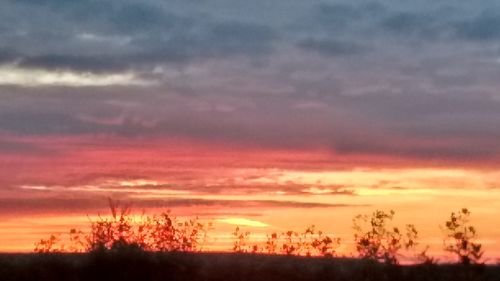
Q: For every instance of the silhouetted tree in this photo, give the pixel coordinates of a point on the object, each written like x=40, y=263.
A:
x=460, y=238
x=375, y=239
x=162, y=233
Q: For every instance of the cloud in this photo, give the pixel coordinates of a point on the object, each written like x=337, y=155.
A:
x=217, y=40
x=238, y=37
x=53, y=62
x=331, y=47
x=43, y=123
x=29, y=77
x=482, y=27
x=462, y=127
x=222, y=75
x=344, y=19
x=17, y=148
x=121, y=36
x=85, y=205
x=339, y=16
x=437, y=21
x=137, y=17
x=236, y=203
x=7, y=56
x=175, y=183
x=438, y=151
x=421, y=26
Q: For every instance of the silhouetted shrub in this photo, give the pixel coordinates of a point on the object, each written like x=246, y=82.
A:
x=377, y=240
x=49, y=245
x=122, y=231
x=308, y=243
x=241, y=242
x=460, y=238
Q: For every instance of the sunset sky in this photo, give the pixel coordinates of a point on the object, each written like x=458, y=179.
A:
x=269, y=114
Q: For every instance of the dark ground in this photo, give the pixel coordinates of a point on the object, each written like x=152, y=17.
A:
x=137, y=265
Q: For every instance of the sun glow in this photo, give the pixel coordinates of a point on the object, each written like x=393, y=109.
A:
x=243, y=222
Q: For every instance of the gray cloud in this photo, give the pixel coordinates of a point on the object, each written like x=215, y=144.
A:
x=44, y=123
x=391, y=72
x=17, y=148
x=331, y=47
x=415, y=25
x=75, y=63
x=7, y=56
x=340, y=16
x=116, y=36
x=443, y=152
x=141, y=17
x=220, y=40
x=483, y=27
x=408, y=125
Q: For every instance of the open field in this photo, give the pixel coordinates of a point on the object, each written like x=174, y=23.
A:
x=139, y=265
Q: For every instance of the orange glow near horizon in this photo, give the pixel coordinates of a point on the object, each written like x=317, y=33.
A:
x=259, y=190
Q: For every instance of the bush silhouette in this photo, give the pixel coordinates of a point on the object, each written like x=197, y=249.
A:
x=460, y=238
x=308, y=243
x=163, y=233
x=375, y=239
x=241, y=242
x=49, y=245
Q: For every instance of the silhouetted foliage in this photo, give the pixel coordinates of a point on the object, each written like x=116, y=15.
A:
x=376, y=239
x=163, y=233
x=49, y=245
x=308, y=243
x=126, y=247
x=460, y=238
x=241, y=242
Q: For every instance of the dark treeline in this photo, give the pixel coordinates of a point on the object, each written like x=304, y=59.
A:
x=133, y=264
